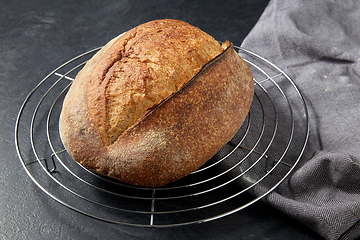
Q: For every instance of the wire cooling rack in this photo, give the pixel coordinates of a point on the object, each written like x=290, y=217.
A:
x=261, y=155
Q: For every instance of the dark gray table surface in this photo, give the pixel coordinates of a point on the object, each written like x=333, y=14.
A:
x=36, y=36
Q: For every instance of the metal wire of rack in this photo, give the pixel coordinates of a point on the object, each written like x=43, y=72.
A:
x=262, y=155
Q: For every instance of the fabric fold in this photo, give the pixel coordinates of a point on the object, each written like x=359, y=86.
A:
x=317, y=43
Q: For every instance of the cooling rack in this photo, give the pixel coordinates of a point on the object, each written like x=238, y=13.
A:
x=260, y=156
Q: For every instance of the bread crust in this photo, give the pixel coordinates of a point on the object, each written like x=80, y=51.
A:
x=176, y=137
x=141, y=68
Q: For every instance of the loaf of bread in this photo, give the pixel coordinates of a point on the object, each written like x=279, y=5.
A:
x=155, y=103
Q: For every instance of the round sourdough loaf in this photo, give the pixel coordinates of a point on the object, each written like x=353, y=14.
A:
x=155, y=103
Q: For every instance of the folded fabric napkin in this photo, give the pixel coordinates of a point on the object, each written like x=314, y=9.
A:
x=317, y=43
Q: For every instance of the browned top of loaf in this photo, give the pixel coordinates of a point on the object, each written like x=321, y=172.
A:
x=141, y=68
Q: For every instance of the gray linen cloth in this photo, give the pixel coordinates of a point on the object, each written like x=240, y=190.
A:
x=317, y=43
